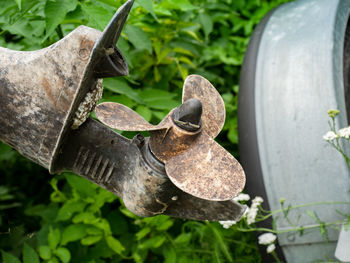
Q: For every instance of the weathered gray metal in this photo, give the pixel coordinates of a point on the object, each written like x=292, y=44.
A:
x=45, y=99
x=293, y=74
x=128, y=169
x=40, y=91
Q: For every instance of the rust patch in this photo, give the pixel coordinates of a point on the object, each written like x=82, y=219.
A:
x=206, y=170
x=213, y=117
x=86, y=45
x=120, y=117
x=172, y=141
x=47, y=87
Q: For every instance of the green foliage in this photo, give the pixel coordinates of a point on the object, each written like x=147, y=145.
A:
x=164, y=41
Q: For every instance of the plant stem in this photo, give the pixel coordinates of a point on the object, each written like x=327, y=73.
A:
x=262, y=229
x=300, y=206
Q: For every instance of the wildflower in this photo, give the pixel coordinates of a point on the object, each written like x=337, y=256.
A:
x=270, y=248
x=345, y=132
x=329, y=136
x=253, y=210
x=258, y=200
x=267, y=238
x=227, y=224
x=282, y=201
x=241, y=197
x=332, y=113
x=251, y=215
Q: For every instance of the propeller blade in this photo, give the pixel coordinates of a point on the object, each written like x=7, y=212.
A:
x=190, y=207
x=206, y=170
x=106, y=59
x=213, y=116
x=112, y=31
x=120, y=117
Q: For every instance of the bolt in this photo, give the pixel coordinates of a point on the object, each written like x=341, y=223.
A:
x=139, y=140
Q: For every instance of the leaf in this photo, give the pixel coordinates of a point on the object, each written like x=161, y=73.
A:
x=207, y=23
x=85, y=217
x=118, y=223
x=145, y=112
x=87, y=241
x=69, y=208
x=142, y=233
x=169, y=254
x=152, y=242
x=155, y=94
x=94, y=231
x=161, y=104
x=82, y=185
x=183, y=238
x=6, y=152
x=187, y=61
x=53, y=260
x=148, y=5
x=19, y=3
x=183, y=71
x=221, y=244
x=73, y=233
x=165, y=225
x=9, y=258
x=99, y=16
x=138, y=38
x=54, y=237
x=104, y=225
x=29, y=254
x=122, y=99
x=183, y=51
x=120, y=86
x=115, y=245
x=45, y=252
x=184, y=5
x=55, y=12
x=63, y=254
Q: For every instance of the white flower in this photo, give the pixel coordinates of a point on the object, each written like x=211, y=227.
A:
x=251, y=215
x=257, y=200
x=241, y=197
x=329, y=136
x=345, y=133
x=253, y=210
x=267, y=238
x=270, y=248
x=227, y=224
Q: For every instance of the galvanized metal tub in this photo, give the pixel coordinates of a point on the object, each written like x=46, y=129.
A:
x=293, y=74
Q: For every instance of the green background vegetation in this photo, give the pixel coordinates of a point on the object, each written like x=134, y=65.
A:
x=64, y=218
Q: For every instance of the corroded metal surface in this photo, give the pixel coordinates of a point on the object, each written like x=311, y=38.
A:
x=194, y=162
x=213, y=116
x=206, y=170
x=37, y=89
x=170, y=142
x=126, y=168
x=87, y=105
x=190, y=207
x=120, y=117
x=41, y=92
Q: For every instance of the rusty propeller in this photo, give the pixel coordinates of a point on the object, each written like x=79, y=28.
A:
x=184, y=141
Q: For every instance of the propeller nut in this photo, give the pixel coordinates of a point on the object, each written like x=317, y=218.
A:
x=188, y=115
